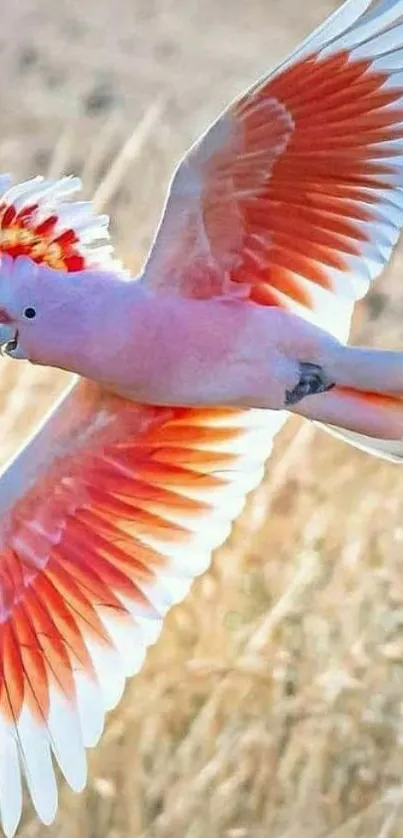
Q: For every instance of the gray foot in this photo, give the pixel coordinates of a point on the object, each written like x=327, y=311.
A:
x=312, y=380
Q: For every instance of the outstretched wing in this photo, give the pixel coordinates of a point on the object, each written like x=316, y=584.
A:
x=106, y=517
x=294, y=196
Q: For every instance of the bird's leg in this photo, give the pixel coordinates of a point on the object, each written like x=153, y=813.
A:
x=312, y=380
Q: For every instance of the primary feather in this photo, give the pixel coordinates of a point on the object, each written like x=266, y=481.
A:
x=295, y=192
x=108, y=534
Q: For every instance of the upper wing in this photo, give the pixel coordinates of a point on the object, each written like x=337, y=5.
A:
x=296, y=191
x=106, y=517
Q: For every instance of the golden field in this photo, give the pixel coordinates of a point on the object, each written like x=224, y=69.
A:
x=272, y=706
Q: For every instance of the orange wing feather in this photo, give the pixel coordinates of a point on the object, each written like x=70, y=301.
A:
x=115, y=522
x=294, y=193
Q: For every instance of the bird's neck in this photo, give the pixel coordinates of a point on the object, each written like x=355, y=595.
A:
x=88, y=337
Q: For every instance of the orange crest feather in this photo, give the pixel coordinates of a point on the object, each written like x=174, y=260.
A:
x=37, y=220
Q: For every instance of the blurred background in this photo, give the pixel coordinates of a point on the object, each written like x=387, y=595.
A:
x=272, y=707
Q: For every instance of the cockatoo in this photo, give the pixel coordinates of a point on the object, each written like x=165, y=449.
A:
x=276, y=222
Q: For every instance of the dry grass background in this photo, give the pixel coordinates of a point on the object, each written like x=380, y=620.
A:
x=272, y=707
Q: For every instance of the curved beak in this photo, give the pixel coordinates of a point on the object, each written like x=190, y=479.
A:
x=7, y=333
x=7, y=330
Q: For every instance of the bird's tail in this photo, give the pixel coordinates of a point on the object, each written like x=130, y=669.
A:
x=372, y=422
x=387, y=449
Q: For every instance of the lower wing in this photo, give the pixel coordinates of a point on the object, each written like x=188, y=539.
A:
x=107, y=516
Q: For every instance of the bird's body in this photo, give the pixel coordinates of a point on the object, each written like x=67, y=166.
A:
x=224, y=352
x=276, y=222
x=175, y=350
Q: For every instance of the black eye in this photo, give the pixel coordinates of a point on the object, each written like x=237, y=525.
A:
x=29, y=313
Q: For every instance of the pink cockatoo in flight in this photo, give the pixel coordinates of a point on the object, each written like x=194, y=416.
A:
x=277, y=220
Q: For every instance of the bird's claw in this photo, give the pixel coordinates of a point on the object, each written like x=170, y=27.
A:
x=312, y=380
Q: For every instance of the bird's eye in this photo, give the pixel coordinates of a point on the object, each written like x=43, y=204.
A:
x=29, y=313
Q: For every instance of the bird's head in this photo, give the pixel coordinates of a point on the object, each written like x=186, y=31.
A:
x=46, y=242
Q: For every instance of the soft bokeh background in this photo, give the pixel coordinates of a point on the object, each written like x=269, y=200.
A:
x=272, y=707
